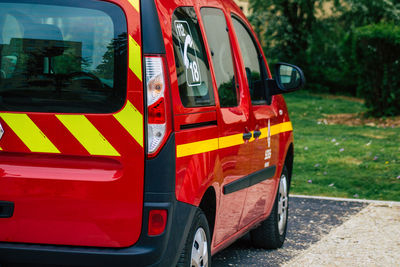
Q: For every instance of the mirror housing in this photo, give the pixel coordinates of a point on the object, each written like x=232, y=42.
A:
x=288, y=78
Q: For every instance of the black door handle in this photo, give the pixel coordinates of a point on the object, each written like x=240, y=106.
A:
x=6, y=209
x=256, y=134
x=247, y=136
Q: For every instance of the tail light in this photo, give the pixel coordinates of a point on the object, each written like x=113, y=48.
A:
x=156, y=103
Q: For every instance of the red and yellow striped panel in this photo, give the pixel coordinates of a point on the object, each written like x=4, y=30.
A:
x=76, y=134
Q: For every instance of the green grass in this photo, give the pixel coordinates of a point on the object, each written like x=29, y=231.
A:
x=368, y=166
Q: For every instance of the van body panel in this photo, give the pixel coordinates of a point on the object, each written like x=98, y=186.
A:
x=77, y=179
x=81, y=184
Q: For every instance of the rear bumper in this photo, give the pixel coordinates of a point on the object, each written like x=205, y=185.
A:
x=161, y=250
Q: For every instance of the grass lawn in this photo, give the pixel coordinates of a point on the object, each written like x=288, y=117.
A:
x=339, y=160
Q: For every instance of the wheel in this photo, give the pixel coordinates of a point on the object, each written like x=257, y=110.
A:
x=196, y=252
x=272, y=232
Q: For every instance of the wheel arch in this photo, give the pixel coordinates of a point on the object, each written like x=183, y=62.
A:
x=208, y=205
x=289, y=162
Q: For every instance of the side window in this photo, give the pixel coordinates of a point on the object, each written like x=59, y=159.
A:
x=252, y=63
x=218, y=40
x=193, y=70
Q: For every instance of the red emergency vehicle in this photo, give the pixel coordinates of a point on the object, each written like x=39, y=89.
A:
x=138, y=133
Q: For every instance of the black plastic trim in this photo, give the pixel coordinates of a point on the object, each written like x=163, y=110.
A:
x=160, y=171
x=153, y=42
x=198, y=125
x=6, y=209
x=250, y=180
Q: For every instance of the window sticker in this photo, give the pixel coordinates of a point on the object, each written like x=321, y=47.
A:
x=188, y=51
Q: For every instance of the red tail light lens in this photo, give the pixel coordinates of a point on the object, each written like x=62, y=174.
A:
x=157, y=222
x=157, y=112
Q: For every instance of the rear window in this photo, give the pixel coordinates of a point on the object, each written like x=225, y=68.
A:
x=62, y=56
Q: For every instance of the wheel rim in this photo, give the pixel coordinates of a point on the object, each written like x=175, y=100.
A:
x=199, y=249
x=282, y=204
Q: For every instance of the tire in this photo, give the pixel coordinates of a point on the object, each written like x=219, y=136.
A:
x=272, y=232
x=193, y=253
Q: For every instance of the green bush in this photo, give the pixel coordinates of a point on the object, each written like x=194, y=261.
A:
x=377, y=53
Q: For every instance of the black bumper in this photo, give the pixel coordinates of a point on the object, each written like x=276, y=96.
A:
x=161, y=250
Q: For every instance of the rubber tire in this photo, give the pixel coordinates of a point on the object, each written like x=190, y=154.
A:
x=267, y=235
x=199, y=220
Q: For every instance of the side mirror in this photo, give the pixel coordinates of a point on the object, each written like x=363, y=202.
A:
x=288, y=78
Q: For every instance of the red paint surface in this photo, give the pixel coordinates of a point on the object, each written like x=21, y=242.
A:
x=238, y=211
x=73, y=198
x=77, y=199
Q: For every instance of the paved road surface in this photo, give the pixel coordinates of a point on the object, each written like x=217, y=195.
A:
x=309, y=221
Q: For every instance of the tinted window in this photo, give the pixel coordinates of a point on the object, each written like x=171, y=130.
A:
x=62, y=58
x=218, y=40
x=252, y=60
x=192, y=66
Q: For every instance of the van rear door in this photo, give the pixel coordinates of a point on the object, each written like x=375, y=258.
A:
x=71, y=107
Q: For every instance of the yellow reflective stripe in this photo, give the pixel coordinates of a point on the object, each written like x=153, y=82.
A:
x=227, y=141
x=90, y=138
x=231, y=140
x=29, y=133
x=135, y=57
x=281, y=128
x=277, y=129
x=264, y=133
x=132, y=120
x=0, y=148
x=135, y=4
x=197, y=147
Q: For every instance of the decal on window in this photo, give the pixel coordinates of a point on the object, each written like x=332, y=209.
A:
x=188, y=51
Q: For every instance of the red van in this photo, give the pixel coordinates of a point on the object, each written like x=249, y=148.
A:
x=138, y=133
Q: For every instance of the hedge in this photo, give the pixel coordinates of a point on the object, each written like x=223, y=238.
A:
x=377, y=53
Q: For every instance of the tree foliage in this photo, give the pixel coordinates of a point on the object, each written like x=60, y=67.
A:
x=319, y=36
x=286, y=24
x=377, y=50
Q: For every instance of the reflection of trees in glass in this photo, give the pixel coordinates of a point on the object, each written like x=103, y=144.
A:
x=254, y=82
x=117, y=47
x=227, y=94
x=71, y=60
x=255, y=76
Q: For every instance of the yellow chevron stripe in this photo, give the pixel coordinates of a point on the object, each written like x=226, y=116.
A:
x=135, y=57
x=29, y=133
x=197, y=147
x=135, y=4
x=227, y=141
x=90, y=138
x=132, y=120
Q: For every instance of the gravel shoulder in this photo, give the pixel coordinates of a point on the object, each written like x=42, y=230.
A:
x=369, y=238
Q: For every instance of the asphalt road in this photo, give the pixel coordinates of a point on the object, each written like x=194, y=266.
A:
x=309, y=221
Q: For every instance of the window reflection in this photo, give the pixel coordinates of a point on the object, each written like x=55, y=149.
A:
x=61, y=59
